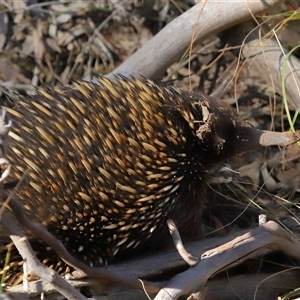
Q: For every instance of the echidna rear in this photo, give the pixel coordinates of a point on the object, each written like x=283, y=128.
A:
x=110, y=163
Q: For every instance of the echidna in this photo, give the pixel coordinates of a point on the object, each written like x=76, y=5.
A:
x=111, y=162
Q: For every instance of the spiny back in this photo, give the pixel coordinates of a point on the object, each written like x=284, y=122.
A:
x=111, y=162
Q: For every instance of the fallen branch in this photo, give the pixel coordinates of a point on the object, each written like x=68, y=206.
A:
x=233, y=251
x=262, y=240
x=33, y=264
x=193, y=26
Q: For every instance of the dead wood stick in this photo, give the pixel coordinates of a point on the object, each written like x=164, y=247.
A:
x=266, y=238
x=192, y=27
x=34, y=266
x=146, y=267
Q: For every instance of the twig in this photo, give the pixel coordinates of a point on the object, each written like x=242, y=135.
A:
x=185, y=255
x=34, y=266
